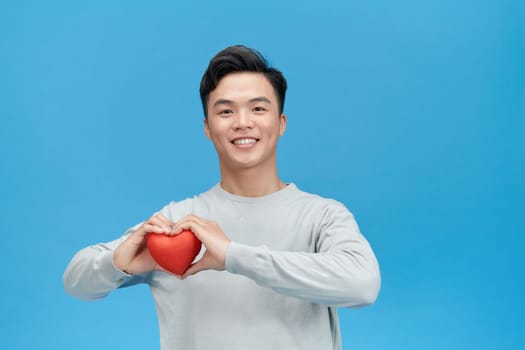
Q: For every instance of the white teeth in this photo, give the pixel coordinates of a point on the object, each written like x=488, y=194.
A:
x=244, y=141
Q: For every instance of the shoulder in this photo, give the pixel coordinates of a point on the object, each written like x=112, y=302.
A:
x=327, y=213
x=321, y=209
x=319, y=201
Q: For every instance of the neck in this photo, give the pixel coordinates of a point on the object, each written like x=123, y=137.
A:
x=250, y=182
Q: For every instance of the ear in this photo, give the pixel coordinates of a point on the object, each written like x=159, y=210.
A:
x=206, y=129
x=282, y=124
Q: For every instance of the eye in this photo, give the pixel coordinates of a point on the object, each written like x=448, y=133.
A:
x=259, y=109
x=225, y=112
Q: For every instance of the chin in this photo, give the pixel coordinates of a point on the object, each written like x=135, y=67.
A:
x=241, y=164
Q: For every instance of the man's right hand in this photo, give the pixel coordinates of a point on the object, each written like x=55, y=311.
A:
x=132, y=256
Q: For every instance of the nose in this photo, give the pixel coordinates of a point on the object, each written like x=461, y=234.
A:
x=243, y=120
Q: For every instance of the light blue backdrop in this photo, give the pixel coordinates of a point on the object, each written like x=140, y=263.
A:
x=409, y=112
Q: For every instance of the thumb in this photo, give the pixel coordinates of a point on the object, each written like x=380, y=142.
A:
x=195, y=268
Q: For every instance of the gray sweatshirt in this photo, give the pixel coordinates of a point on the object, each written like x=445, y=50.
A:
x=294, y=258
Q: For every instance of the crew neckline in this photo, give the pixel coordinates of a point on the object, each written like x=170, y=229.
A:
x=290, y=187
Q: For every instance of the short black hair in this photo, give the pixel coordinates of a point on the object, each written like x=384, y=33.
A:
x=240, y=58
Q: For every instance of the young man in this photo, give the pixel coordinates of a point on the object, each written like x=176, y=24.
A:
x=277, y=261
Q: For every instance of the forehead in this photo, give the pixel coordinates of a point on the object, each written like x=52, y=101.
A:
x=242, y=86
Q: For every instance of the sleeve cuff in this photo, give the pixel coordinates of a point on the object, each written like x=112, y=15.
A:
x=113, y=274
x=241, y=259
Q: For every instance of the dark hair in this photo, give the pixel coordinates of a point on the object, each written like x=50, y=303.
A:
x=240, y=58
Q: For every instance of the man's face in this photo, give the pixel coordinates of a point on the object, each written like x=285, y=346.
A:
x=244, y=122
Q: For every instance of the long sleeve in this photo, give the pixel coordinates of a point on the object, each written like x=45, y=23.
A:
x=92, y=275
x=342, y=271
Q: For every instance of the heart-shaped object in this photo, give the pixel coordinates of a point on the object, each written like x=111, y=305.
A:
x=174, y=253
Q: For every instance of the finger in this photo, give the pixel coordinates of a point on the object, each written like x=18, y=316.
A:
x=195, y=268
x=148, y=228
x=165, y=221
x=189, y=224
x=189, y=220
x=162, y=222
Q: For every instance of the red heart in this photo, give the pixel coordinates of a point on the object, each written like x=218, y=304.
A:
x=174, y=253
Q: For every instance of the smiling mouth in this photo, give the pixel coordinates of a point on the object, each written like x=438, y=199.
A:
x=245, y=141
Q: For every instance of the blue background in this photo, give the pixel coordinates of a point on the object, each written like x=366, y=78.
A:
x=409, y=112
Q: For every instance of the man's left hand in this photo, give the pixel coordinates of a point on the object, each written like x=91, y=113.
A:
x=211, y=235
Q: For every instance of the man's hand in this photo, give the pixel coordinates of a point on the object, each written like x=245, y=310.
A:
x=211, y=235
x=132, y=256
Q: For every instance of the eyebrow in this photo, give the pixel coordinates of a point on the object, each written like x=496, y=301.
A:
x=261, y=99
x=223, y=101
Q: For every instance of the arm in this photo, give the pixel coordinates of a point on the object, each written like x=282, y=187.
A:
x=342, y=272
x=92, y=275
x=97, y=270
